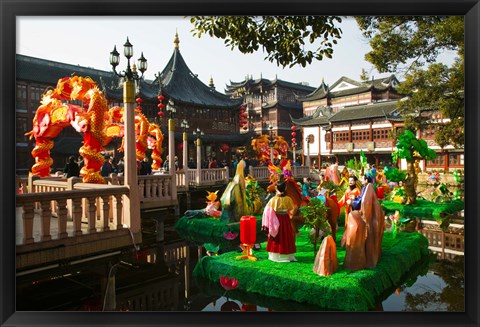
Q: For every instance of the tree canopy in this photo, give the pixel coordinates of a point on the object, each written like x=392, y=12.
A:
x=408, y=43
x=286, y=40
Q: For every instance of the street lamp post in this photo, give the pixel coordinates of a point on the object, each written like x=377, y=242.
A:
x=131, y=203
x=198, y=133
x=171, y=146
x=307, y=139
x=271, y=143
x=185, y=126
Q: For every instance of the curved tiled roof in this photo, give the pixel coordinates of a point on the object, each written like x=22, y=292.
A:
x=252, y=83
x=375, y=110
x=320, y=117
x=49, y=72
x=324, y=91
x=387, y=109
x=179, y=83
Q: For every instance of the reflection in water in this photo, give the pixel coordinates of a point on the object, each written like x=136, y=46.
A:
x=441, y=289
x=158, y=278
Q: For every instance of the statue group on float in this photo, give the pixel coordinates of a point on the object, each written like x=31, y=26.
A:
x=282, y=219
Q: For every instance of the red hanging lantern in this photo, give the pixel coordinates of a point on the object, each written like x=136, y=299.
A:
x=160, y=113
x=294, y=139
x=224, y=147
x=160, y=98
x=294, y=134
x=160, y=105
x=242, y=109
x=138, y=100
x=139, y=108
x=293, y=128
x=180, y=146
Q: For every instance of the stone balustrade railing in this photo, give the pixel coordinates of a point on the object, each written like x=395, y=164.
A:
x=262, y=174
x=38, y=205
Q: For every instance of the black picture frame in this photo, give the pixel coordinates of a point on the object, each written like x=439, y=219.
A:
x=12, y=8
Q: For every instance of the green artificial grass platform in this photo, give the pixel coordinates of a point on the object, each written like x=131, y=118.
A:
x=424, y=209
x=211, y=230
x=295, y=281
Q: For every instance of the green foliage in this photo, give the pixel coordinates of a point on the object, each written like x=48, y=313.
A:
x=406, y=44
x=410, y=148
x=315, y=215
x=394, y=174
x=354, y=164
x=287, y=40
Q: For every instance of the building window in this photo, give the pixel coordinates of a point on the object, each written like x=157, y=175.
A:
x=438, y=161
x=35, y=96
x=381, y=134
x=21, y=128
x=454, y=159
x=361, y=135
x=340, y=137
x=21, y=96
x=428, y=132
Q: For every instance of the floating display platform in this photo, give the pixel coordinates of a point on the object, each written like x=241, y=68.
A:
x=211, y=230
x=424, y=209
x=345, y=290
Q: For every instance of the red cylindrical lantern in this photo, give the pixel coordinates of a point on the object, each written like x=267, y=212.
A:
x=248, y=229
x=380, y=192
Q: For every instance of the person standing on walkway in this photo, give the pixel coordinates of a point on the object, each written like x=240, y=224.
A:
x=71, y=168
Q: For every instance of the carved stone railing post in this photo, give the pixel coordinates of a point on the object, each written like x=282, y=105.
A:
x=62, y=212
x=28, y=214
x=148, y=185
x=46, y=216
x=92, y=214
x=77, y=216
x=117, y=210
x=141, y=188
x=105, y=205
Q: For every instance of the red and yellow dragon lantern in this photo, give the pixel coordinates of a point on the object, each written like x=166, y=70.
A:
x=98, y=124
x=262, y=149
x=53, y=115
x=155, y=140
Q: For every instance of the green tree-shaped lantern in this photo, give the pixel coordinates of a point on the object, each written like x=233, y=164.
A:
x=315, y=215
x=411, y=149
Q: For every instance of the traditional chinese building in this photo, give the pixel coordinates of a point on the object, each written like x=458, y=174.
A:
x=214, y=113
x=351, y=116
x=270, y=104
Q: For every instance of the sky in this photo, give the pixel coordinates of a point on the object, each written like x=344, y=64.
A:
x=88, y=41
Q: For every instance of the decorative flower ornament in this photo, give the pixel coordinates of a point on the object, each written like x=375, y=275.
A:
x=230, y=236
x=228, y=283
